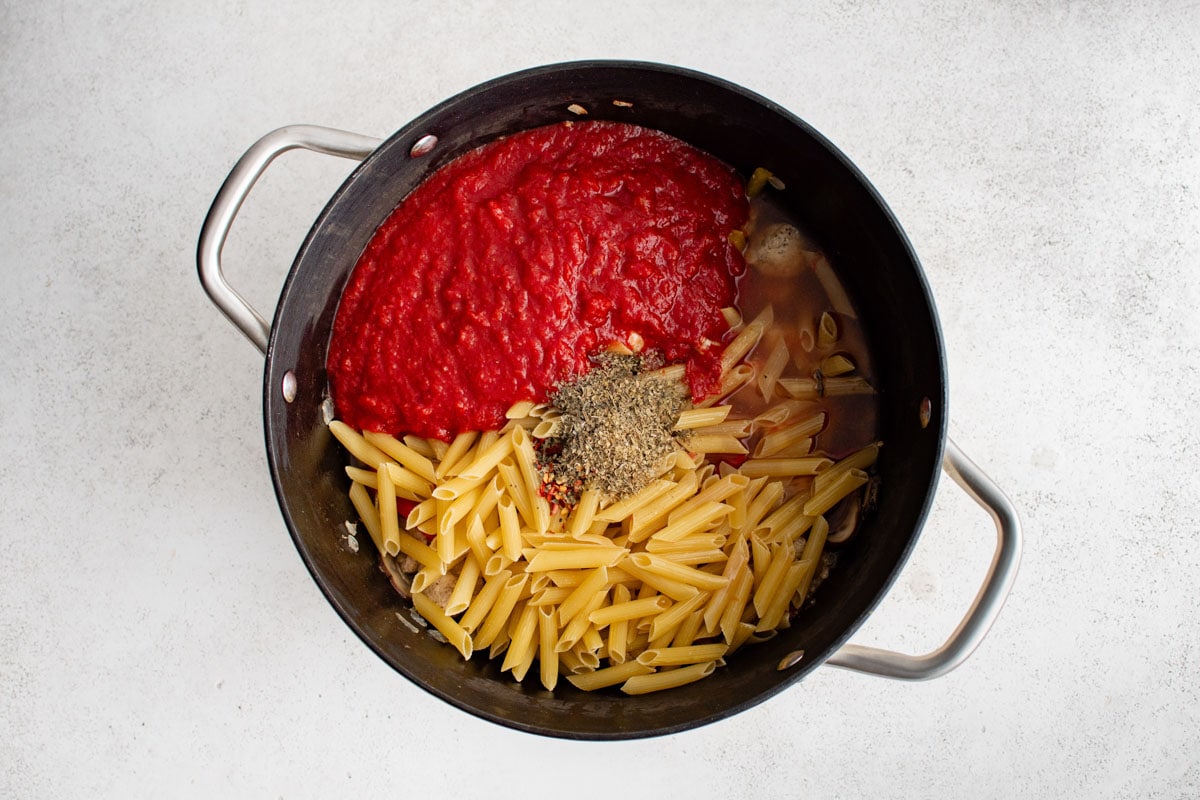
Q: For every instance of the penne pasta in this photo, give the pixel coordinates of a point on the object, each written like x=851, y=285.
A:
x=669, y=679
x=692, y=418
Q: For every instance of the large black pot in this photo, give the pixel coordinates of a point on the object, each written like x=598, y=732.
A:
x=836, y=204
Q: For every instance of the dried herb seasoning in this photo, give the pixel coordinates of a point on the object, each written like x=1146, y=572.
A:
x=617, y=424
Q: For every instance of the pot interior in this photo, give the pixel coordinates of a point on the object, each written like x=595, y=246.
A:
x=836, y=205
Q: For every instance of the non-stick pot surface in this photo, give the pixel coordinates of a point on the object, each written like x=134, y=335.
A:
x=824, y=191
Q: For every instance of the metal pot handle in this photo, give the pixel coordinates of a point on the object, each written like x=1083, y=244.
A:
x=232, y=194
x=983, y=612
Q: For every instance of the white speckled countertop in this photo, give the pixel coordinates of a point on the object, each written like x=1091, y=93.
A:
x=160, y=636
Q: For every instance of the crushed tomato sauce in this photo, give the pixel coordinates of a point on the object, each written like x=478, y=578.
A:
x=498, y=276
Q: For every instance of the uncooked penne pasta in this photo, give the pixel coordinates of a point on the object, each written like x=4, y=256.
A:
x=701, y=417
x=831, y=493
x=369, y=515
x=772, y=368
x=779, y=439
x=679, y=656
x=402, y=453
x=435, y=616
x=747, y=339
x=784, y=467
x=609, y=676
x=668, y=679
x=357, y=444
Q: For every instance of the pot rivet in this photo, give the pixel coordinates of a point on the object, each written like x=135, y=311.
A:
x=423, y=146
x=926, y=411
x=790, y=660
x=289, y=386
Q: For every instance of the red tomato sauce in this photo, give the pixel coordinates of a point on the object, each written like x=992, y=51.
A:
x=497, y=277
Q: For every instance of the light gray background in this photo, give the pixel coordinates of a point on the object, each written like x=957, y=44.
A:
x=159, y=635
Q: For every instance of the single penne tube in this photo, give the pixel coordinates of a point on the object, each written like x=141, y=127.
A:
x=464, y=587
x=696, y=556
x=609, y=676
x=477, y=541
x=438, y=447
x=582, y=594
x=716, y=490
x=679, y=656
x=781, y=438
x=575, y=558
x=496, y=563
x=708, y=443
x=772, y=368
x=629, y=610
x=418, y=444
x=420, y=552
x=836, y=364
x=367, y=477
x=435, y=616
x=667, y=623
x=785, y=412
x=747, y=339
x=519, y=409
x=547, y=639
x=584, y=513
x=487, y=458
x=741, y=634
x=784, y=467
x=551, y=595
x=802, y=448
x=862, y=458
x=368, y=514
x=668, y=679
x=692, y=418
x=357, y=445
x=685, y=634
x=527, y=464
x=521, y=638
x=732, y=615
x=831, y=493
x=813, y=547
x=618, y=630
x=546, y=429
x=456, y=487
x=458, y=448
x=643, y=497
x=813, y=388
x=404, y=454
x=731, y=381
x=420, y=513
x=697, y=518
x=407, y=483
x=839, y=301
x=653, y=581
x=514, y=486
x=764, y=501
x=389, y=522
x=498, y=616
x=786, y=513
x=782, y=557
x=689, y=575
x=510, y=528
x=575, y=630
x=738, y=428
x=736, y=563
x=827, y=330
x=706, y=540
x=485, y=504
x=772, y=614
x=645, y=520
x=483, y=601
